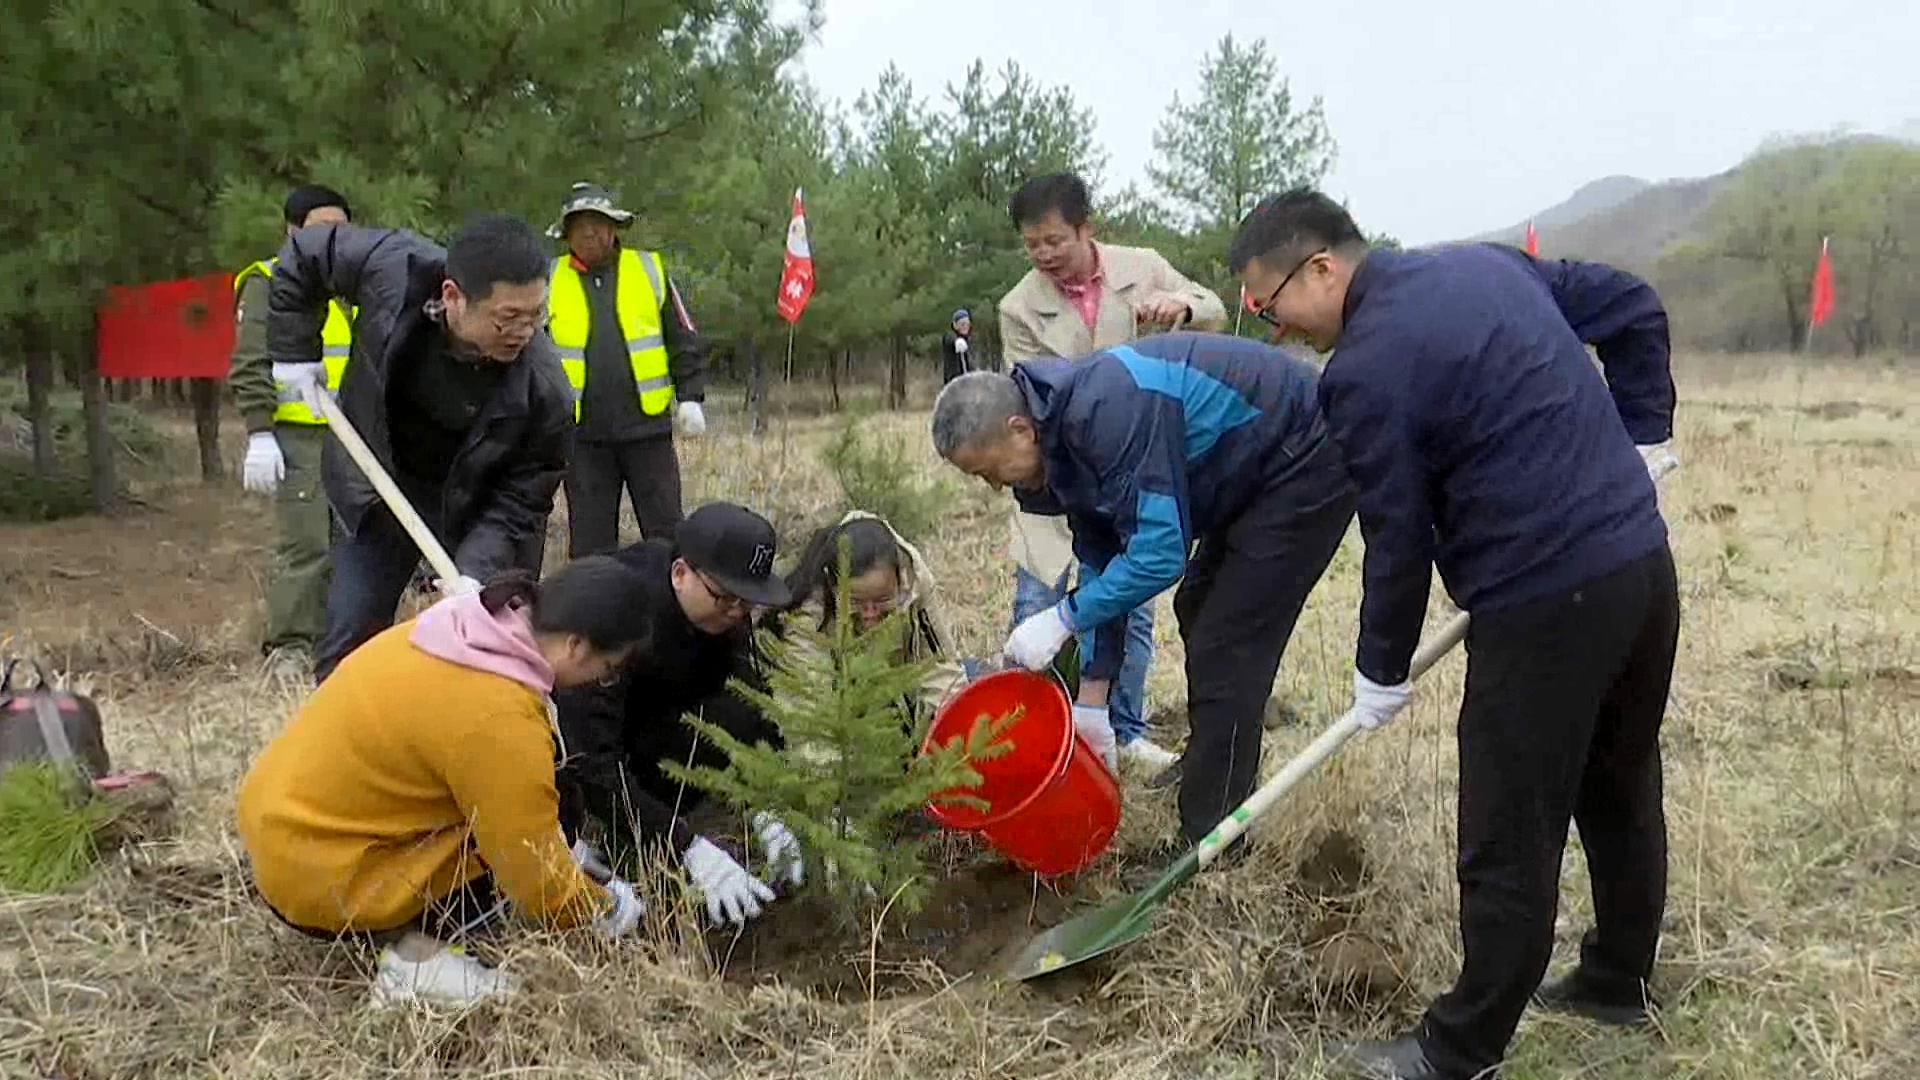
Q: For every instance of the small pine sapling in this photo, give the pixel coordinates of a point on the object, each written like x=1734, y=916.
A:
x=842, y=700
x=878, y=474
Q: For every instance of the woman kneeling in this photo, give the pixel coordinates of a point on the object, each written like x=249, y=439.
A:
x=411, y=799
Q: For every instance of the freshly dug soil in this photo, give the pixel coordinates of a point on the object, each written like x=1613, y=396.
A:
x=974, y=919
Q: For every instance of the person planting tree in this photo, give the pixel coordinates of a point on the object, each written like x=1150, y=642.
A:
x=1145, y=449
x=708, y=580
x=415, y=788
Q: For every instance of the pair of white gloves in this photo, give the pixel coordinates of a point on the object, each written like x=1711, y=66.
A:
x=265, y=466
x=732, y=894
x=1033, y=645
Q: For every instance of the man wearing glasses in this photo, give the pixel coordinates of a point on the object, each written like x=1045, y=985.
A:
x=453, y=386
x=719, y=569
x=1485, y=442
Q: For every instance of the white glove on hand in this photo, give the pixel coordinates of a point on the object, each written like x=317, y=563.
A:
x=1376, y=705
x=1039, y=638
x=783, y=848
x=589, y=860
x=304, y=381
x=627, y=909
x=1659, y=457
x=733, y=895
x=1092, y=723
x=960, y=346
x=692, y=417
x=456, y=587
x=264, y=467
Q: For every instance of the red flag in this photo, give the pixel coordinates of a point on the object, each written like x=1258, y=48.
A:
x=167, y=330
x=1821, y=304
x=796, y=273
x=1533, y=240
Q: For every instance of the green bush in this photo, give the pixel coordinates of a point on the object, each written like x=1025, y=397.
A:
x=878, y=474
x=26, y=497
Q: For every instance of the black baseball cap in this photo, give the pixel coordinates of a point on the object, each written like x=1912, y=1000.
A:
x=735, y=547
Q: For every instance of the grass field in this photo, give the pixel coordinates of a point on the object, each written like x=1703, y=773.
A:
x=1792, y=746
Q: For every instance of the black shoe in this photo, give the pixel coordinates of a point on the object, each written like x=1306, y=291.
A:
x=1395, y=1059
x=1624, y=1003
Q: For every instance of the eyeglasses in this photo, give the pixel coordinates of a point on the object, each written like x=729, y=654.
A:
x=1264, y=311
x=723, y=599
x=531, y=321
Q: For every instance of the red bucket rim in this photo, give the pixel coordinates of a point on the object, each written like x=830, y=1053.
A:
x=996, y=815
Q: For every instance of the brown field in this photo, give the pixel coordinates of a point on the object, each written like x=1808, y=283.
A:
x=1792, y=749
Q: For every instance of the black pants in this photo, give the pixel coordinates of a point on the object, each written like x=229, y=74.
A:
x=469, y=912
x=649, y=471
x=1242, y=594
x=1560, y=721
x=371, y=569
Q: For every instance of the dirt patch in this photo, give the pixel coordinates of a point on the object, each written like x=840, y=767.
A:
x=974, y=919
x=1335, y=867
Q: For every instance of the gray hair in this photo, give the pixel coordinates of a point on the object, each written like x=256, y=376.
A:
x=974, y=408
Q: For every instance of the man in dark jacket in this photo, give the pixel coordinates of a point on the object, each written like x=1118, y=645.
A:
x=1147, y=448
x=719, y=567
x=630, y=353
x=1484, y=441
x=452, y=384
x=956, y=348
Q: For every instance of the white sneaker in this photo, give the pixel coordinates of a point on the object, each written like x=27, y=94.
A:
x=448, y=977
x=1143, y=755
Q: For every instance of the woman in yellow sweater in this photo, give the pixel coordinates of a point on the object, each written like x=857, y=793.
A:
x=416, y=784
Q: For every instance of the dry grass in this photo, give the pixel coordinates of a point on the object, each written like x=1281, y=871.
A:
x=1792, y=750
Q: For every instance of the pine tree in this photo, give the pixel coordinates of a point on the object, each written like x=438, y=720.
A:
x=851, y=766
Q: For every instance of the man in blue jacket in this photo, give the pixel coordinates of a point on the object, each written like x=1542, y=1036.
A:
x=1485, y=441
x=1147, y=448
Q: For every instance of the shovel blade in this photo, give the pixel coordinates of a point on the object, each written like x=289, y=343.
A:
x=1082, y=938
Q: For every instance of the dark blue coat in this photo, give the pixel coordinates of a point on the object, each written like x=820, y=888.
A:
x=1152, y=445
x=1482, y=436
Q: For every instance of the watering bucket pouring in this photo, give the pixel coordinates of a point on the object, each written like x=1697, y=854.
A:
x=1052, y=804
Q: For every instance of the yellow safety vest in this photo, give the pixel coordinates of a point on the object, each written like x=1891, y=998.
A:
x=639, y=292
x=336, y=343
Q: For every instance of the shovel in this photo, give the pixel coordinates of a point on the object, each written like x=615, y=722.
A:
x=397, y=504
x=1106, y=928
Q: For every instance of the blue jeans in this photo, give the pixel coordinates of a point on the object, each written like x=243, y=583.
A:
x=1127, y=704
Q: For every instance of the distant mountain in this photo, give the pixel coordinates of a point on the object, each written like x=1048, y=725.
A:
x=1592, y=198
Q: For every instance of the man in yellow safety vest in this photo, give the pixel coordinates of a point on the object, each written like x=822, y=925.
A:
x=630, y=353
x=284, y=440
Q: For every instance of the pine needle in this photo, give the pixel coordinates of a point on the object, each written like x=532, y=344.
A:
x=47, y=828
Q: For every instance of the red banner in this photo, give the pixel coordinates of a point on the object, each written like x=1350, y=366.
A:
x=169, y=330
x=796, y=270
x=1533, y=240
x=1820, y=304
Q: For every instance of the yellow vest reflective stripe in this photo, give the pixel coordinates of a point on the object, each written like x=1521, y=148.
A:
x=336, y=344
x=640, y=289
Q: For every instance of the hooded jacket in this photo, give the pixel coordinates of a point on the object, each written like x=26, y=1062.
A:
x=499, y=493
x=425, y=761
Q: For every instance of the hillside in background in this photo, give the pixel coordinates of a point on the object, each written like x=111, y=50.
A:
x=1734, y=253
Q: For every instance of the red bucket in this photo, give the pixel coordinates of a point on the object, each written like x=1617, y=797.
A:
x=1053, y=805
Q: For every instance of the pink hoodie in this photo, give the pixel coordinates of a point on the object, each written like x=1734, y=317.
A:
x=458, y=629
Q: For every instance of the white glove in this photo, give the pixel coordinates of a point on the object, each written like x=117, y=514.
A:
x=1092, y=723
x=783, y=848
x=1659, y=457
x=1376, y=705
x=627, y=909
x=589, y=860
x=456, y=587
x=692, y=417
x=733, y=895
x=265, y=467
x=305, y=381
x=960, y=346
x=1039, y=638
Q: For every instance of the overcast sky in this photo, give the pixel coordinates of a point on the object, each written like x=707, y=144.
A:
x=1451, y=118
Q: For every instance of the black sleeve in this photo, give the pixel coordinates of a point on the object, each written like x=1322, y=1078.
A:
x=594, y=776
x=686, y=351
x=324, y=262
x=521, y=498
